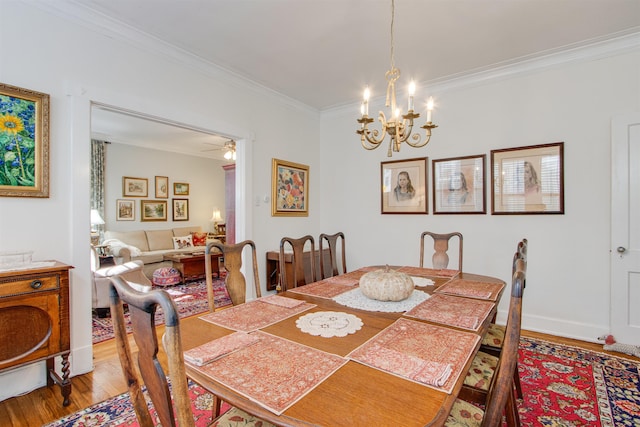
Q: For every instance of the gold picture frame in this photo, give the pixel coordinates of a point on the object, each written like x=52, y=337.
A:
x=24, y=142
x=125, y=210
x=289, y=188
x=180, y=189
x=135, y=187
x=162, y=187
x=153, y=210
x=403, y=186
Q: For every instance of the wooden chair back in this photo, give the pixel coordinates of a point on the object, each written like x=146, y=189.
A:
x=297, y=261
x=501, y=397
x=149, y=371
x=440, y=258
x=332, y=242
x=235, y=280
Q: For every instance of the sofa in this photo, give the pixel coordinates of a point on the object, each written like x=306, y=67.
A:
x=150, y=246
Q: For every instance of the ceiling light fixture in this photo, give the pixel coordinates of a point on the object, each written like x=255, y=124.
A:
x=230, y=153
x=399, y=131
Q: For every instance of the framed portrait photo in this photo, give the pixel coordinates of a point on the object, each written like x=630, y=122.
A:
x=180, y=209
x=153, y=210
x=125, y=210
x=459, y=185
x=403, y=187
x=135, y=187
x=180, y=189
x=24, y=142
x=289, y=189
x=162, y=187
x=528, y=180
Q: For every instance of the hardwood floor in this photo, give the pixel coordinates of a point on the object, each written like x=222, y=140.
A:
x=45, y=404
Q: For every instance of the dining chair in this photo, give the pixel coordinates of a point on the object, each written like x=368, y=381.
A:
x=332, y=241
x=150, y=371
x=298, y=270
x=235, y=281
x=440, y=258
x=493, y=340
x=482, y=374
x=501, y=397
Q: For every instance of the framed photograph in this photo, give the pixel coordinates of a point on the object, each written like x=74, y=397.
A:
x=459, y=185
x=180, y=209
x=134, y=187
x=289, y=189
x=404, y=186
x=24, y=142
x=180, y=189
x=153, y=210
x=162, y=187
x=528, y=180
x=125, y=210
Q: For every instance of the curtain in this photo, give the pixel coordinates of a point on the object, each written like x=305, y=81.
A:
x=97, y=180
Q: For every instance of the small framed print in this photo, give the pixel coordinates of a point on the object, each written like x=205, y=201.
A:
x=134, y=187
x=153, y=210
x=528, y=180
x=289, y=188
x=180, y=189
x=180, y=209
x=162, y=187
x=459, y=185
x=125, y=210
x=403, y=187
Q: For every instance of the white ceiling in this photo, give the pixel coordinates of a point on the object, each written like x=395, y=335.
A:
x=322, y=53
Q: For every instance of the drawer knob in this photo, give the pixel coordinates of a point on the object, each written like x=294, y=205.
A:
x=36, y=284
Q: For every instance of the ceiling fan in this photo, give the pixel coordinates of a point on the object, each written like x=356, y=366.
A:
x=229, y=149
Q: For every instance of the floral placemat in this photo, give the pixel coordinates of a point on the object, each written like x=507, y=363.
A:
x=322, y=289
x=356, y=299
x=212, y=350
x=428, y=272
x=472, y=289
x=254, y=315
x=451, y=310
x=274, y=372
x=428, y=354
x=329, y=324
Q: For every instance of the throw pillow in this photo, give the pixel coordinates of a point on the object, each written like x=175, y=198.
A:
x=199, y=238
x=182, y=242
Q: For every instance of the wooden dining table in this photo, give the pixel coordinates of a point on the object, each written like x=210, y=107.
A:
x=355, y=394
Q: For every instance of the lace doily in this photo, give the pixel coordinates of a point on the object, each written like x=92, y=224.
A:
x=329, y=324
x=356, y=299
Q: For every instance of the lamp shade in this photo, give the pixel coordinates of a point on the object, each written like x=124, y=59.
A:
x=96, y=219
x=216, y=216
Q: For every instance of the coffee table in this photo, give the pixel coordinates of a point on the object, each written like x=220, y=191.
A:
x=191, y=266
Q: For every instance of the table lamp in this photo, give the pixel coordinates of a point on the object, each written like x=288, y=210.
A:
x=216, y=219
x=96, y=220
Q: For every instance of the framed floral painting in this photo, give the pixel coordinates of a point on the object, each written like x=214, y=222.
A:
x=289, y=189
x=24, y=142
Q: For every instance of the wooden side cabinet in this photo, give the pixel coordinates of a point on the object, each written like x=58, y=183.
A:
x=273, y=267
x=34, y=321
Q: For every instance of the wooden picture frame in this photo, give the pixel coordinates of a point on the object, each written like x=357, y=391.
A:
x=528, y=180
x=180, y=209
x=180, y=189
x=135, y=187
x=403, y=188
x=459, y=185
x=289, y=188
x=162, y=187
x=153, y=210
x=125, y=210
x=24, y=142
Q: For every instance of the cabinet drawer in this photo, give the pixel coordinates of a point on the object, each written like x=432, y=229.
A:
x=29, y=285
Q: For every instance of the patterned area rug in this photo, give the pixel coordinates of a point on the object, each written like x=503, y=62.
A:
x=563, y=387
x=190, y=298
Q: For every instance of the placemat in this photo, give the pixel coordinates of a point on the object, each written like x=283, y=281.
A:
x=472, y=289
x=329, y=324
x=212, y=350
x=253, y=315
x=356, y=299
x=274, y=372
x=428, y=354
x=428, y=272
x=322, y=289
x=343, y=279
x=451, y=310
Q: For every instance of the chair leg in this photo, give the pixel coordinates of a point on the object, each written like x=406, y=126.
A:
x=216, y=407
x=511, y=410
x=516, y=380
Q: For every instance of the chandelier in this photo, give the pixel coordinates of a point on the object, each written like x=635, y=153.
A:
x=399, y=131
x=230, y=150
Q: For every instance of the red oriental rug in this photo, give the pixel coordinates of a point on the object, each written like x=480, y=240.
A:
x=190, y=298
x=563, y=386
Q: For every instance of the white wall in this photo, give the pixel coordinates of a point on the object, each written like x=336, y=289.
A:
x=568, y=277
x=205, y=177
